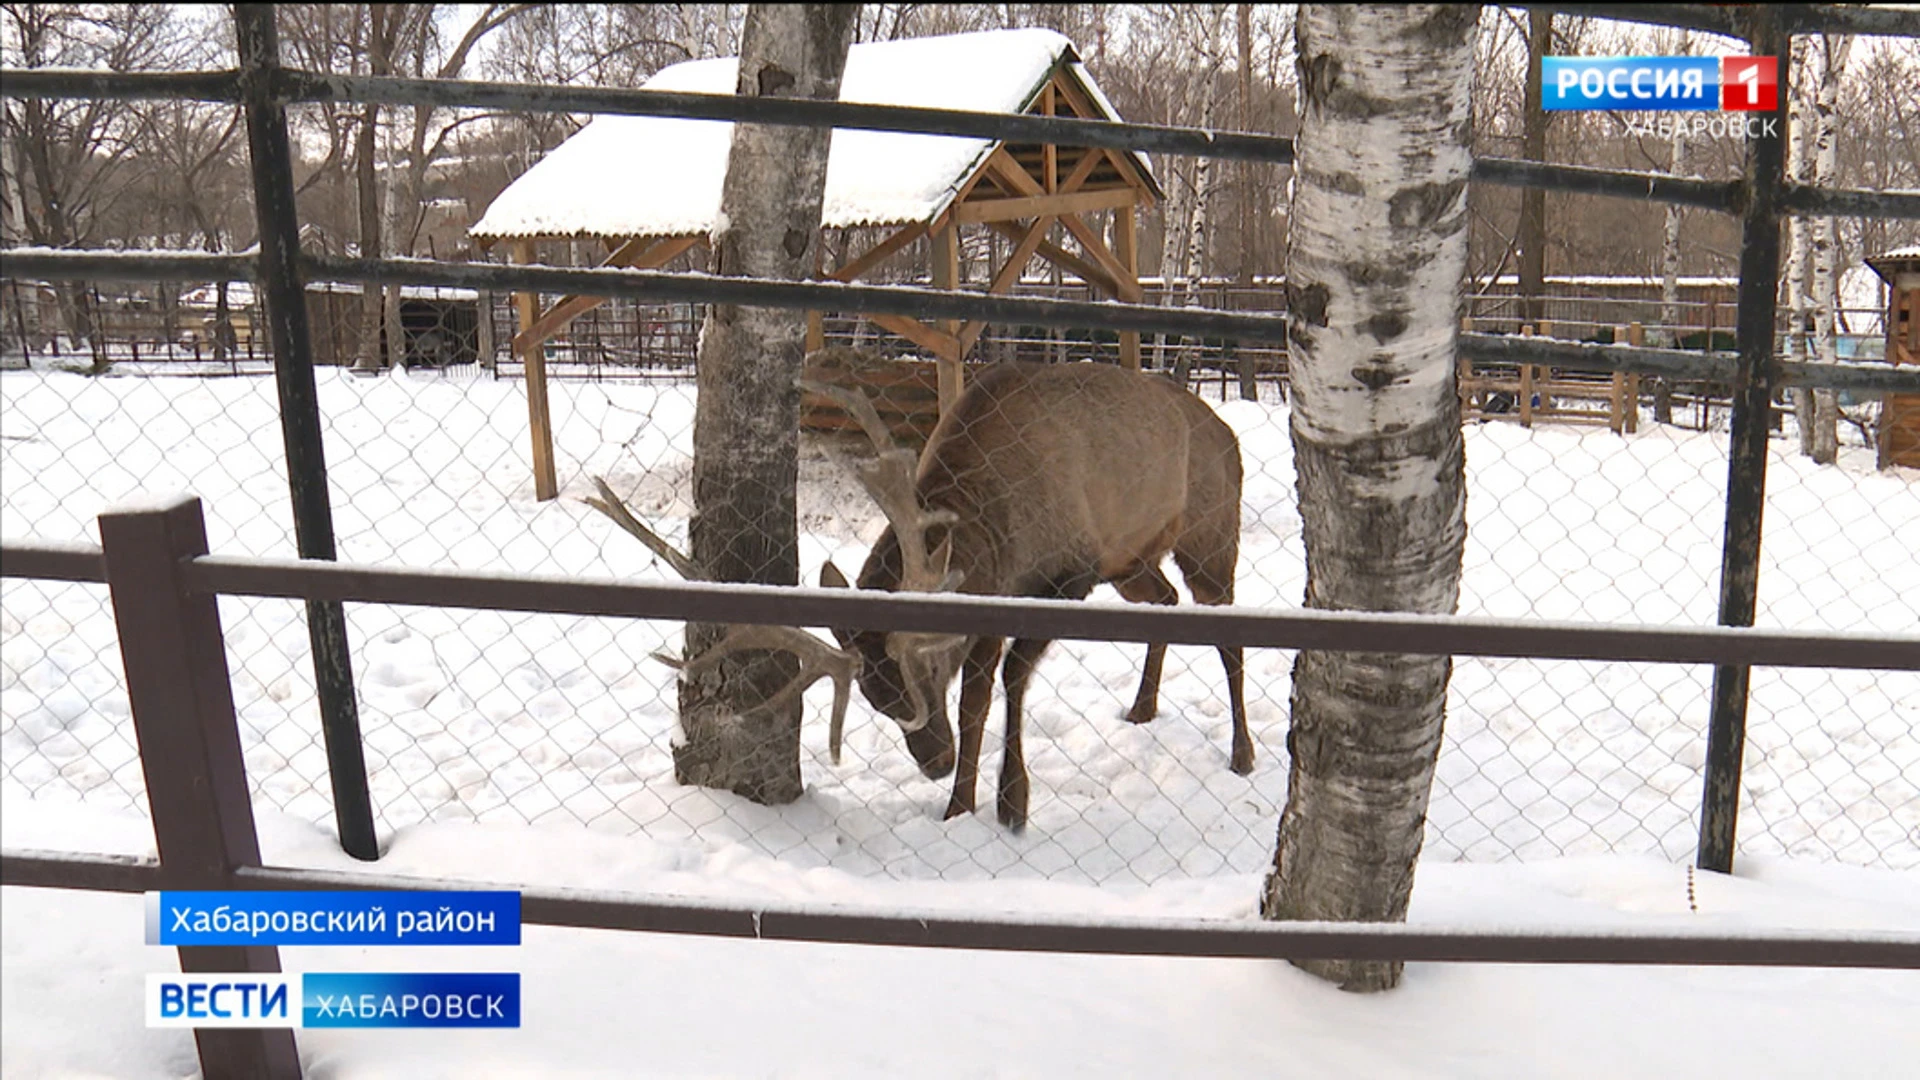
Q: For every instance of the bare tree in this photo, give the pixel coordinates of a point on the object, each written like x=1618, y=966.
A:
x=1532, y=234
x=1833, y=61
x=1669, y=335
x=1794, y=274
x=73, y=155
x=1379, y=251
x=747, y=416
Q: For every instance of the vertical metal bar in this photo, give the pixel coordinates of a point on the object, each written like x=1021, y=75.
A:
x=285, y=292
x=183, y=719
x=1747, y=454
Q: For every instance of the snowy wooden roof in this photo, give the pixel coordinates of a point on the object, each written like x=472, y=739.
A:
x=628, y=176
x=1900, y=263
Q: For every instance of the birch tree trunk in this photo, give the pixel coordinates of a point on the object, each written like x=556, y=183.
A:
x=1193, y=259
x=1826, y=406
x=1670, y=268
x=1798, y=140
x=1378, y=254
x=747, y=416
x=1533, y=200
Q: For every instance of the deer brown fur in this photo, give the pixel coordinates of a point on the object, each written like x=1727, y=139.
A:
x=1043, y=481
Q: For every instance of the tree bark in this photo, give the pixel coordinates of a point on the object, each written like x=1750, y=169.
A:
x=1795, y=273
x=1193, y=262
x=747, y=416
x=1378, y=255
x=1826, y=406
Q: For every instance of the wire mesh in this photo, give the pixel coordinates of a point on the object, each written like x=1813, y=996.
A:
x=488, y=716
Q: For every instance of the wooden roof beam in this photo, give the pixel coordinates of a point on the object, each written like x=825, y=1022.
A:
x=880, y=252
x=1076, y=202
x=1066, y=260
x=639, y=252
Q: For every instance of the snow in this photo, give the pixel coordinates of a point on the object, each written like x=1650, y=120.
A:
x=610, y=1004
x=494, y=738
x=1686, y=281
x=661, y=176
x=493, y=717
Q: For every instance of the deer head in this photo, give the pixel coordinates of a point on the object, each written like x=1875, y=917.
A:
x=818, y=659
x=904, y=675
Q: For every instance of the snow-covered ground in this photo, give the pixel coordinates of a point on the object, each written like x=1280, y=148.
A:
x=492, y=738
x=507, y=718
x=607, y=1004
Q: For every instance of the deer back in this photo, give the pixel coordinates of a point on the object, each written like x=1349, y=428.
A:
x=1057, y=471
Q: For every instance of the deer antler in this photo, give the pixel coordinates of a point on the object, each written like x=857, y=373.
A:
x=889, y=478
x=818, y=659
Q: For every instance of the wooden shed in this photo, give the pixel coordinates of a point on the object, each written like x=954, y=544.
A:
x=1900, y=413
x=648, y=188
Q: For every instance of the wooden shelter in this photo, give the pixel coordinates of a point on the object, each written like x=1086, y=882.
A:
x=648, y=188
x=1900, y=413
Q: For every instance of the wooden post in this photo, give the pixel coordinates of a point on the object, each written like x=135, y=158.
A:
x=1636, y=336
x=181, y=697
x=1126, y=247
x=1616, y=396
x=546, y=484
x=946, y=275
x=484, y=329
x=1050, y=154
x=1526, y=384
x=816, y=332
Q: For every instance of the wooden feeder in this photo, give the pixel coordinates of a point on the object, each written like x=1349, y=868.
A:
x=1900, y=413
x=648, y=189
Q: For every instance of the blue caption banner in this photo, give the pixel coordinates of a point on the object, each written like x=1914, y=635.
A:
x=410, y=1000
x=1630, y=83
x=333, y=918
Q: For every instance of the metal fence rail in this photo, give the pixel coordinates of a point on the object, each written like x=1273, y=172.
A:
x=164, y=585
x=663, y=287
x=265, y=89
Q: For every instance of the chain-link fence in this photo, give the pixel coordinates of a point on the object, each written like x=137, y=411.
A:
x=492, y=716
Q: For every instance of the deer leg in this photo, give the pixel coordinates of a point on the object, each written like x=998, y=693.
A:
x=1236, y=665
x=1021, y=660
x=1147, y=585
x=1211, y=581
x=976, y=695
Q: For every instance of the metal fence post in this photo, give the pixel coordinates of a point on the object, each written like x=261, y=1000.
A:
x=285, y=293
x=183, y=719
x=1747, y=454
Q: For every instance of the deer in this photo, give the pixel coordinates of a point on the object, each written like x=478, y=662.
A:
x=1040, y=481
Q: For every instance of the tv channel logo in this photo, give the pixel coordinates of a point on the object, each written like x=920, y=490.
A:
x=1660, y=83
x=334, y=1000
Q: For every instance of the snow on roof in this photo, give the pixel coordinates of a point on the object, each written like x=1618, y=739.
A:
x=661, y=176
x=1685, y=280
x=1911, y=251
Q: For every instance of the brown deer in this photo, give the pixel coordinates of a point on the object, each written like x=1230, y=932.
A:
x=1041, y=481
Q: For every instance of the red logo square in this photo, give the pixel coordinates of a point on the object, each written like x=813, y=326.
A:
x=1749, y=83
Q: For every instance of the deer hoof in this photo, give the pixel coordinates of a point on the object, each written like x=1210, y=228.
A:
x=1013, y=814
x=1243, y=760
x=955, y=809
x=1143, y=712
